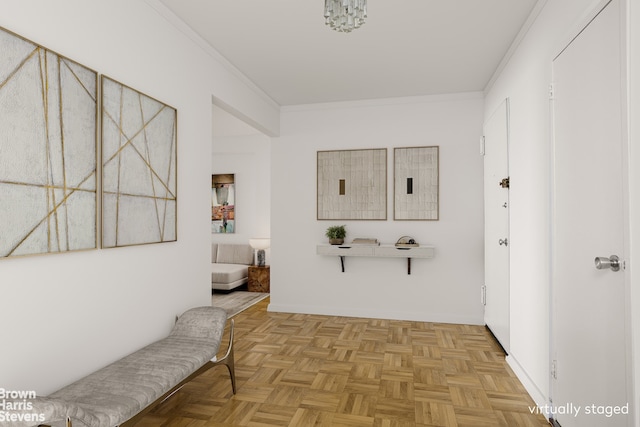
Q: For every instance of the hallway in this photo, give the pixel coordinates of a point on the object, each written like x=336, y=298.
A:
x=302, y=370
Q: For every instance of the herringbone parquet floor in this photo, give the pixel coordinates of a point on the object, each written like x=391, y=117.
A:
x=309, y=370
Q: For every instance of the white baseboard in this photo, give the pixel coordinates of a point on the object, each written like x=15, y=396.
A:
x=539, y=398
x=376, y=314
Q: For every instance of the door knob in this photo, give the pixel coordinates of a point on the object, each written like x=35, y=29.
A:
x=503, y=242
x=613, y=262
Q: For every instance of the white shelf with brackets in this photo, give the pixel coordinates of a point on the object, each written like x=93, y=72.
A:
x=380, y=251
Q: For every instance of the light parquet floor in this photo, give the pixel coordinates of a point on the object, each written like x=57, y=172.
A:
x=310, y=370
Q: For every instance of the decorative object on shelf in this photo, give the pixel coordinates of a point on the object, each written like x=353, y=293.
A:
x=416, y=176
x=352, y=184
x=365, y=241
x=345, y=15
x=260, y=244
x=48, y=140
x=407, y=242
x=139, y=179
x=336, y=234
x=223, y=201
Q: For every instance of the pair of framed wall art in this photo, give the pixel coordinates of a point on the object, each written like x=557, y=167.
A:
x=352, y=184
x=50, y=184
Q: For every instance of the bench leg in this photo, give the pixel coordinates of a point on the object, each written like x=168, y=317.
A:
x=229, y=360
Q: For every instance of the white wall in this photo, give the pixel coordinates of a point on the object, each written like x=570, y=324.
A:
x=248, y=156
x=445, y=288
x=65, y=315
x=525, y=80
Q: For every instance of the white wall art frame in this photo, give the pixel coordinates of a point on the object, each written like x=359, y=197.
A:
x=416, y=183
x=139, y=184
x=352, y=184
x=48, y=154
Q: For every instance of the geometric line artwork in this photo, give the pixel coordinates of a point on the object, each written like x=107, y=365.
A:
x=48, y=115
x=139, y=188
x=352, y=184
x=416, y=179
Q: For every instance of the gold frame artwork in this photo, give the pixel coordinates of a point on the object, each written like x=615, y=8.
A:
x=139, y=162
x=48, y=141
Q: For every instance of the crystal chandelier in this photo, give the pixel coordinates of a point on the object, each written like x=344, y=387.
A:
x=345, y=15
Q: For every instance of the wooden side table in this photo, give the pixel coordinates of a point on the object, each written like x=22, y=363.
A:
x=259, y=279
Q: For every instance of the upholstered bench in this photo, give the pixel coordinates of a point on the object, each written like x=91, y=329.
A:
x=121, y=393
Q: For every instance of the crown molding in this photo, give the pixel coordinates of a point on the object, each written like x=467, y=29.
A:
x=181, y=26
x=419, y=99
x=537, y=8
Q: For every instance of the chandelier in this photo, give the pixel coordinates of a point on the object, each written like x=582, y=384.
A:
x=345, y=15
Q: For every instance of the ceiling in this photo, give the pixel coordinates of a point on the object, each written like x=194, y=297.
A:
x=406, y=47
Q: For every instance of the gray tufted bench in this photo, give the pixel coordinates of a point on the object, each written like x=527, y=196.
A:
x=121, y=393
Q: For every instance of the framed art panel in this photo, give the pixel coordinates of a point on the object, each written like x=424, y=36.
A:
x=48, y=116
x=416, y=187
x=352, y=184
x=139, y=179
x=223, y=203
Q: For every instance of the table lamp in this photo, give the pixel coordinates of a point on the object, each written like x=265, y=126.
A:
x=260, y=244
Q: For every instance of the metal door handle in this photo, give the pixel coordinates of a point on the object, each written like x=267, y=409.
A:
x=503, y=242
x=613, y=262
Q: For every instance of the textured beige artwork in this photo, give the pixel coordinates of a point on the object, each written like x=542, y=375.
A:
x=139, y=189
x=416, y=183
x=47, y=150
x=352, y=184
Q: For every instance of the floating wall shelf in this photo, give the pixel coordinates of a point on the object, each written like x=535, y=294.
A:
x=376, y=251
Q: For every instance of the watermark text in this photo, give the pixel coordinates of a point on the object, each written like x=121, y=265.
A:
x=16, y=405
x=575, y=411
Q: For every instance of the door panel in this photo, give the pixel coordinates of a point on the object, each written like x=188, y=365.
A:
x=496, y=228
x=588, y=323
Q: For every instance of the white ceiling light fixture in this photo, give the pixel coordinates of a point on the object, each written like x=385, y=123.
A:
x=345, y=15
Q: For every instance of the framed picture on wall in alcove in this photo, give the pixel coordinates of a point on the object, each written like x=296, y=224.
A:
x=223, y=203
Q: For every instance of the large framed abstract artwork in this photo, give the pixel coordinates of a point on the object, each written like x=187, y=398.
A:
x=48, y=116
x=223, y=203
x=416, y=182
x=352, y=184
x=139, y=188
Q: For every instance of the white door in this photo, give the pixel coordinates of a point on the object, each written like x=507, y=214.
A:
x=496, y=224
x=588, y=323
